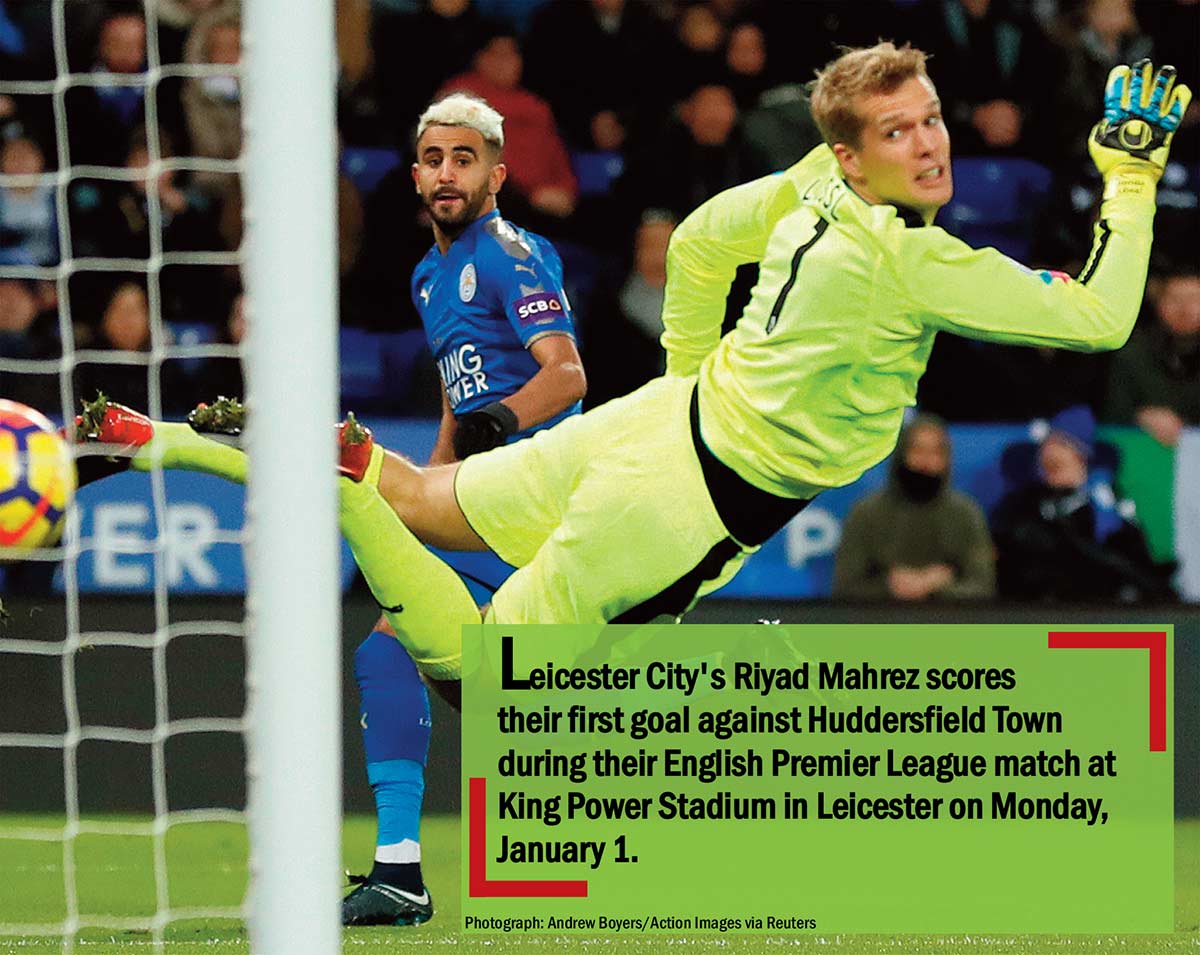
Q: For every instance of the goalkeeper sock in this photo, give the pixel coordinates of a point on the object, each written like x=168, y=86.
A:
x=396, y=726
x=422, y=597
x=179, y=447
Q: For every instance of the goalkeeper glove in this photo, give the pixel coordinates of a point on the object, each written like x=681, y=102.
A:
x=482, y=430
x=1142, y=110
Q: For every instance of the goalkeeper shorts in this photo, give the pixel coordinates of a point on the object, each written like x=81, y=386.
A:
x=607, y=515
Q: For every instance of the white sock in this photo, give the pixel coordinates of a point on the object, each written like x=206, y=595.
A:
x=406, y=850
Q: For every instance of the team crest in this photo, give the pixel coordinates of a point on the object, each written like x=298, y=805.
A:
x=467, y=282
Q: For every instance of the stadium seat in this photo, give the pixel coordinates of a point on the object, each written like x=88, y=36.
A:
x=378, y=368
x=401, y=352
x=596, y=171
x=191, y=333
x=362, y=370
x=366, y=166
x=997, y=203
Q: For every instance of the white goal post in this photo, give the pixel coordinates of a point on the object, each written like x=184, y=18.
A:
x=294, y=648
x=293, y=717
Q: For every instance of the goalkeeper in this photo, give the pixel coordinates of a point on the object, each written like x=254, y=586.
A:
x=642, y=505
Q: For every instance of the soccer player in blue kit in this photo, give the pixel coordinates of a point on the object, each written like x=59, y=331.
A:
x=499, y=325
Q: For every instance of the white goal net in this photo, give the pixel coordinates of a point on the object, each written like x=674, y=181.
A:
x=130, y=747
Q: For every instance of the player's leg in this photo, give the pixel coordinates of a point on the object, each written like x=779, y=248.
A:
x=119, y=437
x=397, y=507
x=396, y=726
x=114, y=438
x=422, y=597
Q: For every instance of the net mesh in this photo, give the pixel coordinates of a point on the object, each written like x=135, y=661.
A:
x=29, y=645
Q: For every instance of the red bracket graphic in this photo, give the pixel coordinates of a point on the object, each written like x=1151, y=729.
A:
x=480, y=886
x=1155, y=642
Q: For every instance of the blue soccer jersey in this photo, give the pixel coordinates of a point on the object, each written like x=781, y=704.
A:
x=495, y=292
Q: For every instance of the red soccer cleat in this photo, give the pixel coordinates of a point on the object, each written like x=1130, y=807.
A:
x=106, y=422
x=355, y=442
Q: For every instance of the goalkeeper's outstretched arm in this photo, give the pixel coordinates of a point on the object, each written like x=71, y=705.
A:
x=984, y=294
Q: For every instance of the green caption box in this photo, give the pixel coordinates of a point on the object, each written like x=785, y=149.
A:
x=775, y=779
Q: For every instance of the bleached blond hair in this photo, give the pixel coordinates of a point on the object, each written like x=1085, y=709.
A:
x=463, y=109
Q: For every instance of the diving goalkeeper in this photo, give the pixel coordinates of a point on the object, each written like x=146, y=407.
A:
x=642, y=505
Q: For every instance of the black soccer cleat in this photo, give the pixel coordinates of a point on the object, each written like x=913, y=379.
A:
x=376, y=903
x=225, y=416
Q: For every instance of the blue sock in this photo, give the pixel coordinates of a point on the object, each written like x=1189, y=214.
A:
x=396, y=727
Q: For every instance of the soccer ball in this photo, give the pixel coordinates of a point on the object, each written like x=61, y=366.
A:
x=37, y=480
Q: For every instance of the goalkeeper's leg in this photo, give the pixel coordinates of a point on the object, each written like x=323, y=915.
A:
x=112, y=438
x=423, y=599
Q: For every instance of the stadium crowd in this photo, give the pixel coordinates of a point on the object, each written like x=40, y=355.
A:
x=623, y=116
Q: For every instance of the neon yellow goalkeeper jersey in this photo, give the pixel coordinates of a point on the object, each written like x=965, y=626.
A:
x=808, y=390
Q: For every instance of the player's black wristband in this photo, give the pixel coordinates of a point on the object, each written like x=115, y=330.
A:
x=482, y=430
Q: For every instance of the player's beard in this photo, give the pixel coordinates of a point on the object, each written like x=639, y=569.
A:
x=472, y=204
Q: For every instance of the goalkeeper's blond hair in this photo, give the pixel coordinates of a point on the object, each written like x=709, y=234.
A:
x=471, y=112
x=859, y=72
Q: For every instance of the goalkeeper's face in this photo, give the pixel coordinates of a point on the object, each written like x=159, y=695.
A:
x=457, y=174
x=903, y=157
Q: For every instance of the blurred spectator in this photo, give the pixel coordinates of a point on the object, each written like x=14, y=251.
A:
x=11, y=126
x=1105, y=35
x=101, y=117
x=696, y=155
x=993, y=70
x=624, y=319
x=29, y=330
x=1154, y=380
x=28, y=224
x=350, y=224
x=355, y=59
x=1067, y=537
x=175, y=21
x=123, y=326
x=110, y=218
x=356, y=303
x=917, y=539
x=219, y=376
x=601, y=66
x=700, y=56
x=538, y=167
x=25, y=52
x=360, y=113
x=28, y=321
x=746, y=71
x=415, y=53
x=376, y=295
x=780, y=129
x=213, y=104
